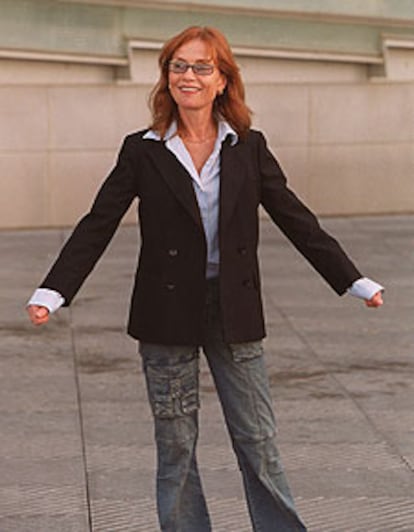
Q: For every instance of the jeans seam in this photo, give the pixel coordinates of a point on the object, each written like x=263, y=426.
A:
x=257, y=526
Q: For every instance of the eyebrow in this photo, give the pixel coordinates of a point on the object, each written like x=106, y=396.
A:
x=206, y=60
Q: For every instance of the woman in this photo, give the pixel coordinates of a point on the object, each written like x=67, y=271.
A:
x=200, y=174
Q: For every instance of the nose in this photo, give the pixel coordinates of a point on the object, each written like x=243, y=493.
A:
x=189, y=74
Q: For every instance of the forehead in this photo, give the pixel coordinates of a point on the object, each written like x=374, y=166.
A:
x=194, y=50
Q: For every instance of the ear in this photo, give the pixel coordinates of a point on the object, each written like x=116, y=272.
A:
x=222, y=84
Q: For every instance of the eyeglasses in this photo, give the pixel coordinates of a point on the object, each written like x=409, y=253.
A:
x=200, y=69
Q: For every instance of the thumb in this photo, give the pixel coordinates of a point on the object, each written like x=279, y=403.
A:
x=41, y=312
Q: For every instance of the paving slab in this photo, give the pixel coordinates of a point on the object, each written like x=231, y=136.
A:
x=76, y=430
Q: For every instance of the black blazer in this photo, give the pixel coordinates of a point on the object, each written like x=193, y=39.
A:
x=167, y=303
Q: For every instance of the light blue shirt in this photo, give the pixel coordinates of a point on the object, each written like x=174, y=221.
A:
x=206, y=186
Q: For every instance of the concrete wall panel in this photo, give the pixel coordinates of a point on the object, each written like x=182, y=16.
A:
x=75, y=179
x=24, y=118
x=294, y=161
x=362, y=113
x=281, y=111
x=13, y=71
x=361, y=179
x=400, y=63
x=257, y=70
x=23, y=190
x=81, y=119
x=340, y=145
x=94, y=117
x=130, y=109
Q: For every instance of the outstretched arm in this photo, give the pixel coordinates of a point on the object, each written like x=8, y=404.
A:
x=94, y=231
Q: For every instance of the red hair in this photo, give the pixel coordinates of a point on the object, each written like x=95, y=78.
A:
x=230, y=105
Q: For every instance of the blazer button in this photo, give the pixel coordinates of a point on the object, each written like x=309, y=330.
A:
x=170, y=286
x=247, y=283
x=242, y=251
x=173, y=252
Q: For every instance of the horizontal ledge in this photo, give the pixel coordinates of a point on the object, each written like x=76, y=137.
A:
x=241, y=51
x=58, y=57
x=280, y=53
x=396, y=42
x=275, y=53
x=139, y=44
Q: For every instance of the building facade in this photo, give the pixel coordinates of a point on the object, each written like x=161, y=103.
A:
x=330, y=83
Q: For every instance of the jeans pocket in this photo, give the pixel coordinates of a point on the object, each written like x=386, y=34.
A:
x=246, y=351
x=172, y=393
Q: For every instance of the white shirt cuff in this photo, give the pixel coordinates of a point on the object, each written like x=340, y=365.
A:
x=44, y=297
x=364, y=288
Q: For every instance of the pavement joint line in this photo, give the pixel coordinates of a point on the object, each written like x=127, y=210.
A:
x=390, y=444
x=81, y=420
x=344, y=473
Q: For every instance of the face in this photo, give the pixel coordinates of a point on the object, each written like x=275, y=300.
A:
x=192, y=91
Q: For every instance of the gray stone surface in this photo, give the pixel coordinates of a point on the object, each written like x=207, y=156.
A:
x=76, y=432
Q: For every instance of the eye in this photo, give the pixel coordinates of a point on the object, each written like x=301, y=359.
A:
x=179, y=67
x=204, y=69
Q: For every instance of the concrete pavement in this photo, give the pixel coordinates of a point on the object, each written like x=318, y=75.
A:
x=76, y=433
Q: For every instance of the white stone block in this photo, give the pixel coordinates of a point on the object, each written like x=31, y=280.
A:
x=23, y=190
x=362, y=179
x=361, y=113
x=75, y=179
x=24, y=118
x=295, y=165
x=281, y=112
x=30, y=72
x=273, y=70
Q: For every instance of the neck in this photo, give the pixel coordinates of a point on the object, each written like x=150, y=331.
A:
x=195, y=127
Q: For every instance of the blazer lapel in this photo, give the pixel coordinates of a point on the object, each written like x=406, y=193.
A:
x=177, y=178
x=233, y=173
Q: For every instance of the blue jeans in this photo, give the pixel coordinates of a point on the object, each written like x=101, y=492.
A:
x=241, y=381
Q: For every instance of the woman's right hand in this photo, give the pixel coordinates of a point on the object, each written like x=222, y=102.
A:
x=37, y=314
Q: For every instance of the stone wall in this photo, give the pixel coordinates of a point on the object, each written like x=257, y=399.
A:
x=348, y=148
x=332, y=87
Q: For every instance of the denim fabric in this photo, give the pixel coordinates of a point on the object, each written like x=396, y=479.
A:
x=241, y=381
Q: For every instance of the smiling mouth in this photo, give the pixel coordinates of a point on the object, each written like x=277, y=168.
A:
x=189, y=89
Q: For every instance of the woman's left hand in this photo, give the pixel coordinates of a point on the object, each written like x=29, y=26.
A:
x=375, y=301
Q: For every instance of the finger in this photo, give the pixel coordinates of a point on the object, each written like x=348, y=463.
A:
x=375, y=301
x=40, y=321
x=37, y=314
x=43, y=318
x=41, y=313
x=32, y=313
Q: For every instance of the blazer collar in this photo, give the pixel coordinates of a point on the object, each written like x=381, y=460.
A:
x=176, y=177
x=232, y=172
x=224, y=130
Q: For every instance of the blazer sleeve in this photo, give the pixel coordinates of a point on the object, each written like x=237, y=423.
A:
x=301, y=226
x=94, y=231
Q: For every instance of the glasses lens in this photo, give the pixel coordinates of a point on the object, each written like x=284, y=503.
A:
x=178, y=67
x=203, y=69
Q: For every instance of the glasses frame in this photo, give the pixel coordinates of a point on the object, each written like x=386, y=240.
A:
x=173, y=67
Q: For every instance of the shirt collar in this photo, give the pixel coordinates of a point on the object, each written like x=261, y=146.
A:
x=224, y=130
